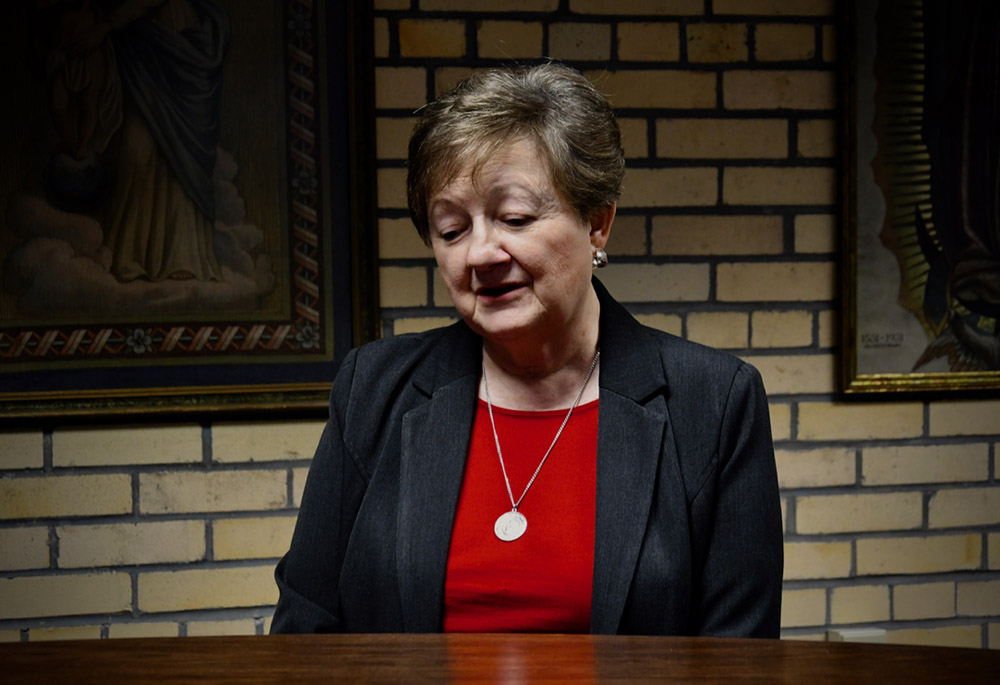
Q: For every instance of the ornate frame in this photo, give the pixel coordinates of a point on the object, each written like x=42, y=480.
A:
x=106, y=368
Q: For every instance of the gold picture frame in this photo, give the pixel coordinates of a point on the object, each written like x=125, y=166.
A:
x=919, y=267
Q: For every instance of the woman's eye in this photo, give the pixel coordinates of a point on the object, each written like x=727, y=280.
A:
x=450, y=234
x=517, y=220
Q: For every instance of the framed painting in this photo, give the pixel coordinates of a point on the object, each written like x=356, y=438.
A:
x=186, y=205
x=922, y=157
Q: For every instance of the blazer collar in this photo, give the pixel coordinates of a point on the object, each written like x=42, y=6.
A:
x=435, y=442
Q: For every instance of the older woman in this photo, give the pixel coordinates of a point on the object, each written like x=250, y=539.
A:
x=547, y=463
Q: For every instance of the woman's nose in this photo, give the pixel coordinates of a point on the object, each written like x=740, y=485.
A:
x=485, y=248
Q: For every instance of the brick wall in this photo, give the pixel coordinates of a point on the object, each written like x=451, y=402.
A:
x=727, y=234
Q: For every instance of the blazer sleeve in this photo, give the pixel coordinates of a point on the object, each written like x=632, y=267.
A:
x=738, y=592
x=308, y=575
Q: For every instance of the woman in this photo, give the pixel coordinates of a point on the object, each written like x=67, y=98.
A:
x=547, y=463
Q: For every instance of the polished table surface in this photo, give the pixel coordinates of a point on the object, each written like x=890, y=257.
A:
x=486, y=659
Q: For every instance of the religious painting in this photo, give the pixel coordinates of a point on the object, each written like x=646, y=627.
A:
x=922, y=181
x=183, y=204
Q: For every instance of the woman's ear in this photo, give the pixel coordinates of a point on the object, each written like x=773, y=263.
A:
x=600, y=225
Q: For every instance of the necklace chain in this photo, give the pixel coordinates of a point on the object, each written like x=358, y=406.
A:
x=496, y=439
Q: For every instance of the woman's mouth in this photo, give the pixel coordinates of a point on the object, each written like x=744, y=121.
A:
x=498, y=291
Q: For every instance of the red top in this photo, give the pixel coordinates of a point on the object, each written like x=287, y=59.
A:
x=543, y=580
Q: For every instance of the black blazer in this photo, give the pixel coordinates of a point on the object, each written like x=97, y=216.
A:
x=688, y=537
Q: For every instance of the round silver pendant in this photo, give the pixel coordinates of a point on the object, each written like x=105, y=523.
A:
x=510, y=526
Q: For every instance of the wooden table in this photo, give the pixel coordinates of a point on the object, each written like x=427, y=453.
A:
x=487, y=659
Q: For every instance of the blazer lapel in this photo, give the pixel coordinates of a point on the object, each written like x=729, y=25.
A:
x=633, y=427
x=434, y=445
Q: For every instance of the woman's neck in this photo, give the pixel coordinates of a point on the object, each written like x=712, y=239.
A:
x=538, y=375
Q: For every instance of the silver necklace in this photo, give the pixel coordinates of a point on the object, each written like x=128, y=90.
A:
x=511, y=524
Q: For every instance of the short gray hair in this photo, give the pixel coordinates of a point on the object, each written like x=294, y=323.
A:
x=555, y=106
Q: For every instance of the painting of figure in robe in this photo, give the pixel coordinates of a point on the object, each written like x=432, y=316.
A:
x=928, y=167
x=131, y=206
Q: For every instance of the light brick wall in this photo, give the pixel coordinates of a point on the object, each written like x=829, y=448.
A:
x=727, y=233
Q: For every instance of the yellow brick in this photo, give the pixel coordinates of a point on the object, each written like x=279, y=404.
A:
x=853, y=513
x=65, y=595
x=815, y=233
x=821, y=421
x=580, y=41
x=725, y=330
x=21, y=450
x=829, y=43
x=166, y=493
x=400, y=87
x=859, y=604
x=256, y=538
x=173, y=444
x=803, y=608
x=64, y=633
x=402, y=286
x=818, y=468
x=994, y=635
x=392, y=136
x=656, y=282
x=144, y=629
x=969, y=417
x=245, y=626
x=923, y=600
x=635, y=138
x=628, y=236
x=10, y=635
x=398, y=239
x=722, y=138
x=431, y=38
x=24, y=548
x=245, y=586
x=828, y=328
x=652, y=41
x=817, y=138
x=689, y=7
x=446, y=78
x=298, y=485
x=950, y=636
x=781, y=421
x=993, y=540
x=680, y=89
x=779, y=186
x=717, y=42
x=40, y=497
x=781, y=329
x=807, y=560
x=391, y=188
x=381, y=37
x=964, y=507
x=918, y=555
x=668, y=323
x=488, y=5
x=776, y=281
x=420, y=324
x=784, y=42
x=509, y=39
x=271, y=441
x=775, y=7
x=905, y=464
x=684, y=187
x=790, y=375
x=128, y=544
x=777, y=89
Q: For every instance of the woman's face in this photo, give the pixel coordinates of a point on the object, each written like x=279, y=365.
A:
x=515, y=257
